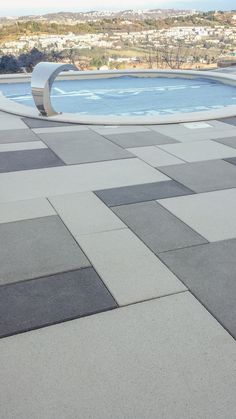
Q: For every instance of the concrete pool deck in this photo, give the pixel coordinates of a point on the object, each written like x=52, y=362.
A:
x=117, y=270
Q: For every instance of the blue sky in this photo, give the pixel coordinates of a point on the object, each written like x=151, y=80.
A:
x=21, y=7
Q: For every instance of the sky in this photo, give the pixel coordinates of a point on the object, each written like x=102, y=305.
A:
x=26, y=7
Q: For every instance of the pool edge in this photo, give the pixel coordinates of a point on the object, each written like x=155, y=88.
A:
x=11, y=107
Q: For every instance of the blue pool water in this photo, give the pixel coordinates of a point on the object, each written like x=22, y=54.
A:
x=128, y=95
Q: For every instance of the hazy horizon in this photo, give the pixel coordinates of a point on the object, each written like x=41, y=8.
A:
x=27, y=7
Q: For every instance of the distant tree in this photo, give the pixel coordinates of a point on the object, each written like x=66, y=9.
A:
x=98, y=62
x=173, y=56
x=54, y=56
x=29, y=60
x=9, y=64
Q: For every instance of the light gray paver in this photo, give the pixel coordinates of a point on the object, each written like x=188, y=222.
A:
x=157, y=227
x=129, y=269
x=39, y=247
x=139, y=139
x=199, y=150
x=196, y=125
x=78, y=178
x=27, y=145
x=154, y=156
x=168, y=358
x=54, y=130
x=23, y=210
x=211, y=214
x=111, y=129
x=84, y=213
x=83, y=147
x=185, y=133
x=203, y=176
x=17, y=135
x=8, y=122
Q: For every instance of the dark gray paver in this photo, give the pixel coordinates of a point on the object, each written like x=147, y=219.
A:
x=209, y=271
x=231, y=142
x=17, y=136
x=141, y=193
x=230, y=121
x=41, y=123
x=39, y=247
x=156, y=227
x=83, y=147
x=204, y=176
x=12, y=161
x=136, y=139
x=231, y=160
x=44, y=301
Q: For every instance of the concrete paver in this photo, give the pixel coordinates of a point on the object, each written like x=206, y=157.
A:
x=128, y=268
x=211, y=214
x=167, y=358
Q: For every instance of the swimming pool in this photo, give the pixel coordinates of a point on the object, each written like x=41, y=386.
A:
x=128, y=95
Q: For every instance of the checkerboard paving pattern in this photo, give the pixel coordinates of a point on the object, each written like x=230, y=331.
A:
x=117, y=270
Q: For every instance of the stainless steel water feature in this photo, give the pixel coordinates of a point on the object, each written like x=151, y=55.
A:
x=42, y=80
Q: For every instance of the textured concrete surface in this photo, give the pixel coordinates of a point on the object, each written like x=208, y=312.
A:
x=158, y=228
x=167, y=358
x=134, y=139
x=16, y=135
x=33, y=248
x=209, y=272
x=210, y=130
x=200, y=151
x=42, y=123
x=83, y=147
x=12, y=161
x=8, y=122
x=146, y=234
x=27, y=145
x=49, y=300
x=128, y=268
x=84, y=213
x=231, y=142
x=154, y=156
x=25, y=210
x=230, y=121
x=31, y=184
x=59, y=129
x=141, y=193
x=211, y=214
x=103, y=130
x=231, y=160
x=204, y=176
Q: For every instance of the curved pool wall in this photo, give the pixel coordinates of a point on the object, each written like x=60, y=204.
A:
x=9, y=106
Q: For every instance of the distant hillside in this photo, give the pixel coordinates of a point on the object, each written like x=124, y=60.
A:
x=94, y=15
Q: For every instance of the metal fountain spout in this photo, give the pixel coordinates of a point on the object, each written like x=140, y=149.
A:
x=42, y=80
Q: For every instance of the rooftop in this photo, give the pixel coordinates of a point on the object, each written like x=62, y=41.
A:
x=117, y=270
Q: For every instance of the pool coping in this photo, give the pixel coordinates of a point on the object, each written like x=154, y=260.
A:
x=11, y=107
